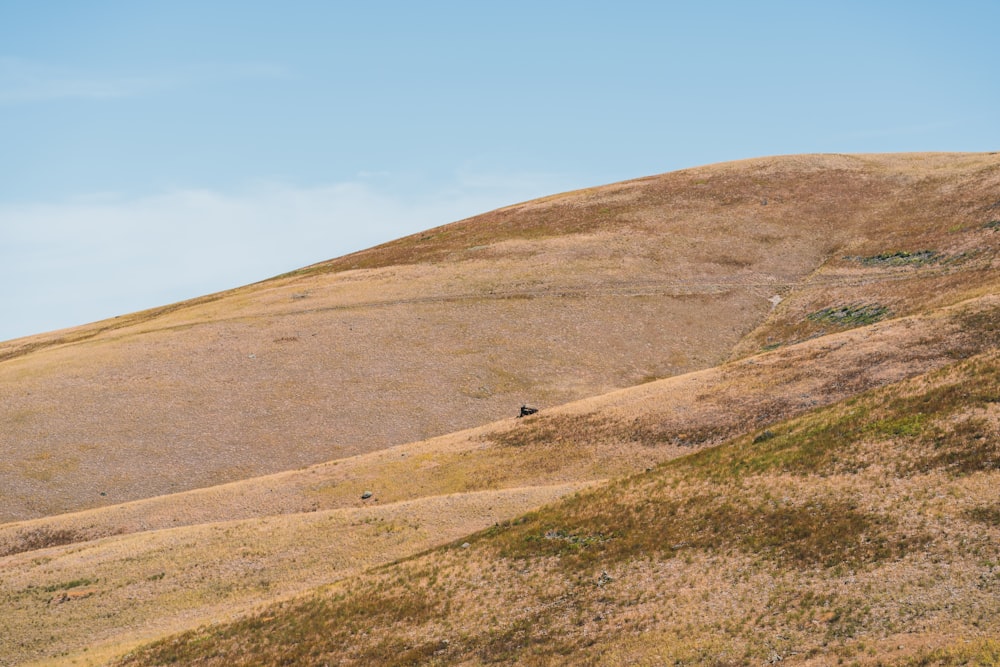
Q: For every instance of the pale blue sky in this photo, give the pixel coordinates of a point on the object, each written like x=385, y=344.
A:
x=154, y=151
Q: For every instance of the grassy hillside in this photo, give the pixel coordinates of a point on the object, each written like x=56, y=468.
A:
x=543, y=302
x=160, y=565
x=769, y=397
x=864, y=532
x=597, y=438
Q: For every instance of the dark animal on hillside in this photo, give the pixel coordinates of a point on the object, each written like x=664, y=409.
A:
x=525, y=411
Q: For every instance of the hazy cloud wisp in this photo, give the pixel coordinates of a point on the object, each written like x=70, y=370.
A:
x=25, y=81
x=95, y=257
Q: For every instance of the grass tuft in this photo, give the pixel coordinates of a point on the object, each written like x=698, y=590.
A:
x=65, y=586
x=986, y=514
x=850, y=315
x=824, y=532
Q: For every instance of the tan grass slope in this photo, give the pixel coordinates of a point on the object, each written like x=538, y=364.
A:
x=865, y=533
x=886, y=268
x=543, y=302
x=175, y=561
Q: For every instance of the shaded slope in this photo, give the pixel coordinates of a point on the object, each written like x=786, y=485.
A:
x=866, y=531
x=548, y=301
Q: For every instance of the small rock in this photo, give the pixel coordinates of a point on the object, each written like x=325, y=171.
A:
x=466, y=545
x=366, y=495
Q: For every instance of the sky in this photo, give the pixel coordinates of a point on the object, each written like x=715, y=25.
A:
x=153, y=151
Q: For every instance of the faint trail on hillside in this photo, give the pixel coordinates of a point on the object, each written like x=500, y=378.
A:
x=629, y=289
x=632, y=289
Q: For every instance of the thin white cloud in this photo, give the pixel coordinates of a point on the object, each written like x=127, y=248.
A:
x=25, y=81
x=99, y=256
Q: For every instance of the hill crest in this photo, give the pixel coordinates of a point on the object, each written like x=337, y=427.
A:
x=649, y=319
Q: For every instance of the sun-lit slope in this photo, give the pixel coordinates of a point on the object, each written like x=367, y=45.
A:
x=106, y=595
x=549, y=301
x=864, y=532
x=544, y=302
x=917, y=248
x=300, y=528
x=592, y=439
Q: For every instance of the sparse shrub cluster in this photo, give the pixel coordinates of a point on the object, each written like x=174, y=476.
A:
x=984, y=325
x=964, y=653
x=829, y=440
x=305, y=630
x=987, y=514
x=591, y=428
x=899, y=258
x=851, y=315
x=65, y=586
x=39, y=538
x=605, y=529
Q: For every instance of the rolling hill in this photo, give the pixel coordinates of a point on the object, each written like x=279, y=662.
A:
x=700, y=343
x=863, y=533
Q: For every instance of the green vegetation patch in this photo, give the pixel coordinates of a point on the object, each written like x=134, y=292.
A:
x=936, y=424
x=305, y=631
x=395, y=617
x=76, y=583
x=992, y=224
x=899, y=258
x=986, y=514
x=850, y=315
x=816, y=445
x=832, y=440
x=601, y=530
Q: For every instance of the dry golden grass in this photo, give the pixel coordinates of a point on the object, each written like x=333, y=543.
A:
x=614, y=308
x=544, y=302
x=202, y=535
x=140, y=586
x=597, y=438
x=825, y=551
